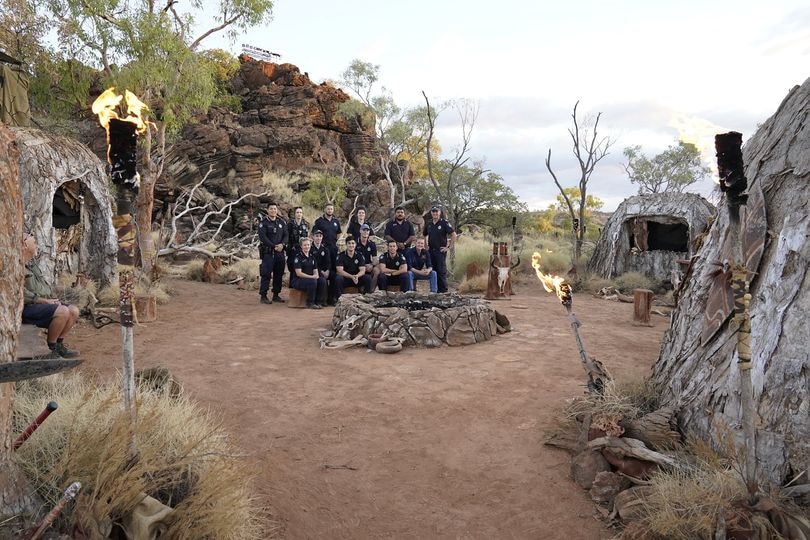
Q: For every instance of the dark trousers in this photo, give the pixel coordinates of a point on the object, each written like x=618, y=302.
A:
x=330, y=283
x=363, y=284
x=403, y=280
x=313, y=287
x=272, y=265
x=440, y=266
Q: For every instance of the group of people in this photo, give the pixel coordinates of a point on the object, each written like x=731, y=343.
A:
x=311, y=255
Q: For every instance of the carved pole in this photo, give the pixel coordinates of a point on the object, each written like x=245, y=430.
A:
x=734, y=184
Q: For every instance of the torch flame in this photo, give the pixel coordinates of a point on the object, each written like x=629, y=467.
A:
x=106, y=104
x=550, y=283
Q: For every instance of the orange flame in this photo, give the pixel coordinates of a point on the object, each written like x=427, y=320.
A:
x=106, y=104
x=550, y=283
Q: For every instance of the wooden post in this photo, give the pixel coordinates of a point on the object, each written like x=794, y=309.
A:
x=642, y=304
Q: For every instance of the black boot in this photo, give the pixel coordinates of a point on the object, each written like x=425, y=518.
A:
x=265, y=300
x=277, y=298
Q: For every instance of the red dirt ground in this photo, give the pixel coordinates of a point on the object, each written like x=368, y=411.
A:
x=427, y=443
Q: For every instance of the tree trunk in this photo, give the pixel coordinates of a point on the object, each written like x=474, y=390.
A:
x=143, y=218
x=697, y=370
x=12, y=498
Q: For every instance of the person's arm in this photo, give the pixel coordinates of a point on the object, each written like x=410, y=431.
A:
x=411, y=235
x=403, y=267
x=263, y=237
x=451, y=241
x=285, y=236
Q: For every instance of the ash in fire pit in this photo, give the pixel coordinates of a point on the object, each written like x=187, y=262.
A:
x=420, y=319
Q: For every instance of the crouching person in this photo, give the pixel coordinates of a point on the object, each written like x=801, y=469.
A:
x=351, y=270
x=44, y=311
x=420, y=265
x=394, y=269
x=306, y=276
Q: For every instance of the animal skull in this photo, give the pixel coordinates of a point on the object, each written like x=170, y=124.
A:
x=503, y=273
x=147, y=520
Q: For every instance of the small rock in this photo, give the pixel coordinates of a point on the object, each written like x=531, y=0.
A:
x=586, y=465
x=606, y=486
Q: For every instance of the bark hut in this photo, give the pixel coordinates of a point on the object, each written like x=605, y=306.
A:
x=12, y=499
x=48, y=162
x=696, y=371
x=649, y=233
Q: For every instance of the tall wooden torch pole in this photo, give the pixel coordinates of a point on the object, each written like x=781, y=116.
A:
x=123, y=156
x=734, y=184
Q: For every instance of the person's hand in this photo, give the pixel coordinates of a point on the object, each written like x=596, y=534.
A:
x=444, y=249
x=354, y=278
x=279, y=247
x=400, y=246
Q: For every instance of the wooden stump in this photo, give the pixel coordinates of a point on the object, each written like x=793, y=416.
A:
x=297, y=299
x=351, y=290
x=146, y=307
x=642, y=304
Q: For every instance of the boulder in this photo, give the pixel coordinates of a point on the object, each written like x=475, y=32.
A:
x=586, y=465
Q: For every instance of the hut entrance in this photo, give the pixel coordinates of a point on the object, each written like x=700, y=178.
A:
x=73, y=208
x=658, y=234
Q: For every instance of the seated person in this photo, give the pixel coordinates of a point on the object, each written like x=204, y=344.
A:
x=351, y=270
x=420, y=265
x=323, y=258
x=368, y=249
x=307, y=278
x=394, y=269
x=44, y=311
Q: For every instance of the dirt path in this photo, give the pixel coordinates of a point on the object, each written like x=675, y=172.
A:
x=427, y=443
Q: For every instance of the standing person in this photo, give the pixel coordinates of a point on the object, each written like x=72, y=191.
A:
x=355, y=225
x=307, y=278
x=40, y=308
x=272, y=241
x=400, y=230
x=394, y=269
x=297, y=228
x=368, y=248
x=420, y=266
x=350, y=269
x=330, y=227
x=323, y=260
x=440, y=238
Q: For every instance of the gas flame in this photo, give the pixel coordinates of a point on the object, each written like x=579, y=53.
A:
x=555, y=284
x=106, y=104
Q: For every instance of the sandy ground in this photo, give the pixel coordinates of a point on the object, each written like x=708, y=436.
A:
x=427, y=443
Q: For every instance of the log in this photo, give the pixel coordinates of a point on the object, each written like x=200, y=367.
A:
x=627, y=447
x=642, y=304
x=658, y=429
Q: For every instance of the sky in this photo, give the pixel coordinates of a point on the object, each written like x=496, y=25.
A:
x=656, y=71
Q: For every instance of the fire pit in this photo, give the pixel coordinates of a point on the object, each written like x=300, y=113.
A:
x=423, y=320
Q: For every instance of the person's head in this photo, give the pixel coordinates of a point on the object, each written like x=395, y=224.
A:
x=350, y=244
x=361, y=215
x=365, y=231
x=399, y=213
x=29, y=248
x=420, y=244
x=329, y=209
x=435, y=212
x=317, y=237
x=392, y=247
x=305, y=244
x=298, y=213
x=272, y=210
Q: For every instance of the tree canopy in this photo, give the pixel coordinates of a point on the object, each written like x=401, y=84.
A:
x=674, y=169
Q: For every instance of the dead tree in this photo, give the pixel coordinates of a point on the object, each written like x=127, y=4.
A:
x=589, y=149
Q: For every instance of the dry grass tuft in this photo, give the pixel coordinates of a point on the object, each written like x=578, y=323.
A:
x=593, y=283
x=246, y=268
x=628, y=400
x=634, y=280
x=110, y=295
x=477, y=284
x=184, y=460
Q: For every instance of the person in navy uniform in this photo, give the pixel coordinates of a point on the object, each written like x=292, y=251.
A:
x=355, y=225
x=307, y=278
x=323, y=258
x=297, y=228
x=368, y=248
x=400, y=230
x=420, y=266
x=272, y=241
x=330, y=227
x=350, y=270
x=394, y=269
x=440, y=238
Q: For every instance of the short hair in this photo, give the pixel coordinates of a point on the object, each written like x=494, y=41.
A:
x=398, y=208
x=351, y=239
x=297, y=208
x=304, y=239
x=272, y=203
x=328, y=204
x=392, y=242
x=363, y=208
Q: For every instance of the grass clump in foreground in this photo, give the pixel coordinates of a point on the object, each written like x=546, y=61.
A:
x=184, y=460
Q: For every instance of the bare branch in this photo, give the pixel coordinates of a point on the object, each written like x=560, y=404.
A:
x=226, y=22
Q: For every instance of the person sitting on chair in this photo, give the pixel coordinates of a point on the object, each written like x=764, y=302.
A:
x=44, y=311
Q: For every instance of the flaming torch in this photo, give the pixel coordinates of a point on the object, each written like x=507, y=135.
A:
x=597, y=374
x=122, y=130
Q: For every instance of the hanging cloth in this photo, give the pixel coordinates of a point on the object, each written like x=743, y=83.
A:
x=14, y=107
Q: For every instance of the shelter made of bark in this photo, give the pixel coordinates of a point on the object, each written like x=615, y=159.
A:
x=68, y=206
x=696, y=371
x=649, y=233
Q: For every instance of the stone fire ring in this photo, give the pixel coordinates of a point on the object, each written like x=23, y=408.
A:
x=421, y=320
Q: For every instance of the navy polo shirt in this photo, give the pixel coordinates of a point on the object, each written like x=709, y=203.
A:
x=369, y=250
x=330, y=229
x=322, y=257
x=307, y=264
x=393, y=263
x=352, y=264
x=399, y=231
x=437, y=233
x=420, y=261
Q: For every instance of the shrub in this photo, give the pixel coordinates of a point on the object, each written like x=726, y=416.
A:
x=634, y=280
x=475, y=285
x=280, y=187
x=184, y=459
